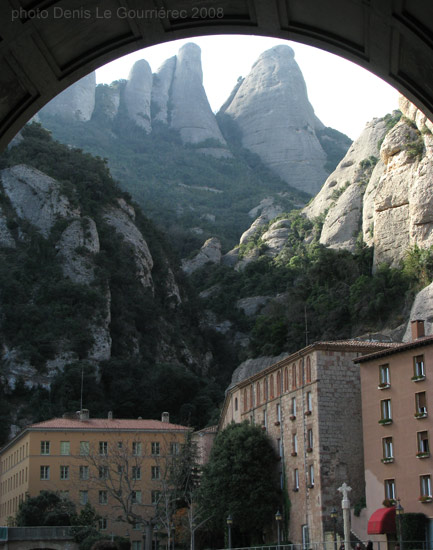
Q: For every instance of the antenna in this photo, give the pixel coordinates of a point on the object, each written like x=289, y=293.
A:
x=306, y=324
x=82, y=381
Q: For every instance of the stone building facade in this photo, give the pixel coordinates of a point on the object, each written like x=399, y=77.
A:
x=309, y=403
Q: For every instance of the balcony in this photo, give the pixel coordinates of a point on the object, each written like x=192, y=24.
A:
x=418, y=378
x=387, y=460
x=421, y=413
x=385, y=421
x=423, y=454
x=383, y=386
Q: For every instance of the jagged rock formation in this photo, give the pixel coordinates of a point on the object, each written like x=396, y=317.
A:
x=381, y=187
x=210, y=252
x=77, y=246
x=76, y=102
x=271, y=108
x=107, y=100
x=137, y=94
x=190, y=110
x=36, y=197
x=122, y=221
x=162, y=81
x=422, y=308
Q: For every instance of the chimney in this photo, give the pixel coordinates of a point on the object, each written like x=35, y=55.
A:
x=110, y=415
x=417, y=327
x=165, y=417
x=84, y=415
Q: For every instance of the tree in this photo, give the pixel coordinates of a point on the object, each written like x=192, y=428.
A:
x=47, y=508
x=240, y=479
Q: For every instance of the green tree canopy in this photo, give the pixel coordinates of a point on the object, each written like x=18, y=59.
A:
x=240, y=479
x=47, y=508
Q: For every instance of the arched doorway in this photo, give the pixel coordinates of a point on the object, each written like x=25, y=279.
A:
x=47, y=45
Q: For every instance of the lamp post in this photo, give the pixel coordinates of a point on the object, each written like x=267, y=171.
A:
x=229, y=530
x=399, y=510
x=334, y=520
x=278, y=519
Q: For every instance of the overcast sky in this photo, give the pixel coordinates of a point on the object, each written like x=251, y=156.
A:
x=344, y=96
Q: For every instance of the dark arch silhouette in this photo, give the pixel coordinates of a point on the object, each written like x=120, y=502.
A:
x=46, y=45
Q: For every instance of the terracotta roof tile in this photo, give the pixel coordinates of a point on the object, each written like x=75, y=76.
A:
x=106, y=424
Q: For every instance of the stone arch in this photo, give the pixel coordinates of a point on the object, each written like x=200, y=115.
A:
x=45, y=49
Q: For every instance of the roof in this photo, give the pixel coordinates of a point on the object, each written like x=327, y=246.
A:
x=396, y=348
x=382, y=521
x=98, y=424
x=332, y=345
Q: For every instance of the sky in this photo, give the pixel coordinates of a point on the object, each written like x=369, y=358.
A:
x=344, y=96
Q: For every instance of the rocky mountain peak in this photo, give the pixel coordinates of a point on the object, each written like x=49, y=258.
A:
x=138, y=92
x=277, y=122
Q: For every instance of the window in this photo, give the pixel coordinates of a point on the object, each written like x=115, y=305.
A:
x=296, y=479
x=45, y=447
x=65, y=448
x=385, y=409
x=286, y=379
x=251, y=396
x=155, y=495
x=265, y=420
x=420, y=404
x=308, y=371
x=390, y=489
x=136, y=545
x=294, y=444
x=258, y=392
x=278, y=412
x=120, y=444
x=301, y=373
x=174, y=448
x=136, y=448
x=425, y=486
x=271, y=389
x=293, y=406
x=84, y=497
x=103, y=448
x=102, y=524
x=245, y=400
x=136, y=497
x=103, y=497
x=265, y=389
x=45, y=472
x=155, y=447
x=384, y=378
x=84, y=448
x=310, y=476
x=278, y=383
x=156, y=472
x=136, y=472
x=418, y=366
x=423, y=445
x=137, y=526
x=294, y=376
x=309, y=402
x=309, y=440
x=84, y=472
x=64, y=472
x=103, y=472
x=236, y=403
x=387, y=448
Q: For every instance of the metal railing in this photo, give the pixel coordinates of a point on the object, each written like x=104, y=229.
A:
x=39, y=533
x=330, y=545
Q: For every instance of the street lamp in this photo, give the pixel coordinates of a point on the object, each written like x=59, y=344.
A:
x=399, y=510
x=229, y=529
x=334, y=515
x=278, y=519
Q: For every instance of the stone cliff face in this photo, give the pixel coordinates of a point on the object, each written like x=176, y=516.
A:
x=381, y=188
x=190, y=110
x=137, y=95
x=277, y=122
x=75, y=103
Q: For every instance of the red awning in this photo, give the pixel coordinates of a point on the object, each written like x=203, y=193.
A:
x=382, y=521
